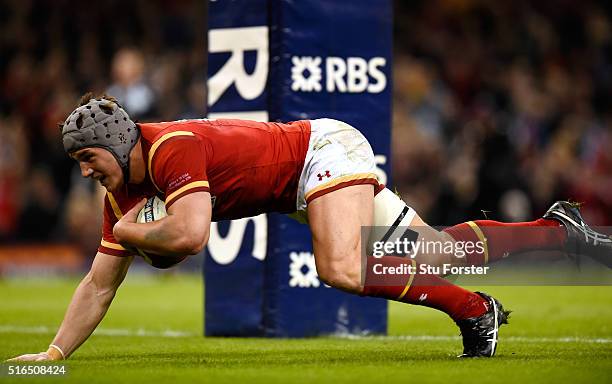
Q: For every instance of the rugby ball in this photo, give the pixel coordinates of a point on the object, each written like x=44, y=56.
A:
x=155, y=209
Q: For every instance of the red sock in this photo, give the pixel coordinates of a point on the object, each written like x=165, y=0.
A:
x=420, y=289
x=502, y=239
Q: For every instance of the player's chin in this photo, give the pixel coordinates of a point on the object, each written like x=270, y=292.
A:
x=112, y=186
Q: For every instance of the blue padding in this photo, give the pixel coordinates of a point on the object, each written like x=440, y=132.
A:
x=347, y=31
x=280, y=297
x=234, y=292
x=310, y=310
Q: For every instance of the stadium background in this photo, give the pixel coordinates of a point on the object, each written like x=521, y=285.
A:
x=500, y=107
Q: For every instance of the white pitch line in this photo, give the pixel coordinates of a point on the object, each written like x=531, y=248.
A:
x=519, y=339
x=43, y=330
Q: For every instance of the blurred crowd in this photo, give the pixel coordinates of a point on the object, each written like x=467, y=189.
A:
x=150, y=55
x=499, y=107
x=502, y=107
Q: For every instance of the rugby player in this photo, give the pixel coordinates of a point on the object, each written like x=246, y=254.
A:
x=208, y=170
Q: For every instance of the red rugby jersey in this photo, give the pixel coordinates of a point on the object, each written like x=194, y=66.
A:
x=248, y=167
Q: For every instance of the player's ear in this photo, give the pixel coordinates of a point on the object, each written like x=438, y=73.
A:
x=60, y=126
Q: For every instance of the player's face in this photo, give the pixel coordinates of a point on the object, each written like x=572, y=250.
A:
x=100, y=165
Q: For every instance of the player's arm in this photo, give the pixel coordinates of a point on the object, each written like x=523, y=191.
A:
x=89, y=304
x=183, y=232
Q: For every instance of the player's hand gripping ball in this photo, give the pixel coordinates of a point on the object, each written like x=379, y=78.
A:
x=155, y=209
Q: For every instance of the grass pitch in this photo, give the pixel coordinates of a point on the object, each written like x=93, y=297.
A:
x=151, y=334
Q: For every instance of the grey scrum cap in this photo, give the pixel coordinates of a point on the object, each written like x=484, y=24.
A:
x=101, y=123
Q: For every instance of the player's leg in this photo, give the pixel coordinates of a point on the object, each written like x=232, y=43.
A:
x=336, y=220
x=395, y=221
x=499, y=240
x=482, y=241
x=336, y=189
x=561, y=228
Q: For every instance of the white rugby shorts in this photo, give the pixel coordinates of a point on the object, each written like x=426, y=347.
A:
x=338, y=156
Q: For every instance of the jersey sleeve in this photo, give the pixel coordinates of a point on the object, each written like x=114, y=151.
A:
x=112, y=214
x=178, y=168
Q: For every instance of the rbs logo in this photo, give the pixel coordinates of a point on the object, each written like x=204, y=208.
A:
x=350, y=75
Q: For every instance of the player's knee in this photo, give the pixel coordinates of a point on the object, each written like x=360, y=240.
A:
x=341, y=275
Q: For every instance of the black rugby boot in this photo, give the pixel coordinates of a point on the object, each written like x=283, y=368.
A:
x=581, y=239
x=480, y=334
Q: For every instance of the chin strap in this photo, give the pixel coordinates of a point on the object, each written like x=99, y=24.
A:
x=126, y=167
x=126, y=173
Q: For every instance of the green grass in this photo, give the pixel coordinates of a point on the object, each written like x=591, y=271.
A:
x=531, y=349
